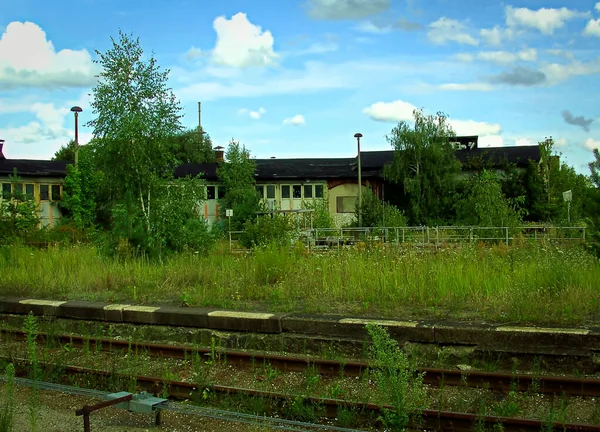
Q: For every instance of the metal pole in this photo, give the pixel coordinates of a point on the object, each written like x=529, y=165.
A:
x=358, y=136
x=76, y=137
x=199, y=117
x=86, y=422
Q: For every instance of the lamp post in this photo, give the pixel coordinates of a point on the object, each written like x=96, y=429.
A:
x=76, y=110
x=358, y=136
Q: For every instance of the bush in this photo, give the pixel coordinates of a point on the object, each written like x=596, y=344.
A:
x=377, y=213
x=269, y=229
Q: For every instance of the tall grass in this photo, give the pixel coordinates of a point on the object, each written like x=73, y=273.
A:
x=536, y=283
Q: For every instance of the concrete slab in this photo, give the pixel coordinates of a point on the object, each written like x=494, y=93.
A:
x=114, y=312
x=244, y=321
x=139, y=314
x=83, y=310
x=21, y=305
x=549, y=337
x=463, y=334
x=182, y=316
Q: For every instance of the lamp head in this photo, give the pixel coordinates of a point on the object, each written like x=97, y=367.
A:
x=358, y=135
x=76, y=109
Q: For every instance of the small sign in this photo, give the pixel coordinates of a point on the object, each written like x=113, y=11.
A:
x=568, y=196
x=229, y=212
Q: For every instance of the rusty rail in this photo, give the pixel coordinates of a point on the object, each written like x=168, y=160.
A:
x=88, y=409
x=501, y=382
x=432, y=419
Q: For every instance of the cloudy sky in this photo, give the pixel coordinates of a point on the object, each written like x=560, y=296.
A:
x=299, y=77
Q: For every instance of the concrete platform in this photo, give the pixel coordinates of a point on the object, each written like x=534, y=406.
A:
x=335, y=327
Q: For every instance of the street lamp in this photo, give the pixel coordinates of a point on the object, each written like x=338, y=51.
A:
x=76, y=110
x=358, y=136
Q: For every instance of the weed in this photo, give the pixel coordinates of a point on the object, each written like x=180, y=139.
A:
x=396, y=378
x=312, y=378
x=31, y=328
x=7, y=407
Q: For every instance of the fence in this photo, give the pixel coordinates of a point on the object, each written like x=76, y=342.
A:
x=325, y=238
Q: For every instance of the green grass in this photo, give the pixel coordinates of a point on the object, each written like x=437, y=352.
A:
x=524, y=283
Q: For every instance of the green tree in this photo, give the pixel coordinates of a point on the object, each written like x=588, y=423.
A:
x=484, y=204
x=236, y=175
x=190, y=146
x=19, y=215
x=65, y=153
x=137, y=115
x=80, y=189
x=593, y=205
x=424, y=166
x=377, y=213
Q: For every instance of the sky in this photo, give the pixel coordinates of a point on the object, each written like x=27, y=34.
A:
x=298, y=78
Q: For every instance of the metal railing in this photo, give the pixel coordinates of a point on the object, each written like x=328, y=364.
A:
x=326, y=238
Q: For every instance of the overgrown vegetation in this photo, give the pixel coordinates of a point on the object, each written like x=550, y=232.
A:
x=523, y=282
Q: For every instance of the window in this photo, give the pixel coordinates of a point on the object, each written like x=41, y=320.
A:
x=270, y=191
x=220, y=192
x=18, y=188
x=297, y=191
x=308, y=191
x=318, y=191
x=29, y=190
x=55, y=192
x=285, y=191
x=44, y=192
x=210, y=192
x=261, y=191
x=345, y=204
x=6, y=190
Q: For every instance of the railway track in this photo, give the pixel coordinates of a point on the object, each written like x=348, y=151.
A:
x=431, y=419
x=500, y=382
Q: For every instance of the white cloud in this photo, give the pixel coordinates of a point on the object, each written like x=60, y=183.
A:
x=597, y=7
x=559, y=72
x=464, y=57
x=396, y=111
x=369, y=27
x=399, y=110
x=592, y=28
x=472, y=127
x=345, y=9
x=490, y=141
x=253, y=114
x=546, y=20
x=592, y=144
x=561, y=142
x=194, y=53
x=524, y=142
x=496, y=35
x=560, y=53
x=28, y=59
x=242, y=44
x=505, y=57
x=297, y=120
x=448, y=30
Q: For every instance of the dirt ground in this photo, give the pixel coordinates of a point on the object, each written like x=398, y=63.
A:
x=56, y=413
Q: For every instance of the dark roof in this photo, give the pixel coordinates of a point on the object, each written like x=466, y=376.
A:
x=208, y=170
x=33, y=168
x=305, y=168
x=519, y=155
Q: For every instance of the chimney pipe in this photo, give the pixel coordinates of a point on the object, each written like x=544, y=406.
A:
x=219, y=152
x=2, y=157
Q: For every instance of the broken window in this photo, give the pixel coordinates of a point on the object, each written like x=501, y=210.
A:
x=308, y=191
x=297, y=191
x=210, y=192
x=261, y=191
x=44, y=192
x=318, y=191
x=6, y=190
x=55, y=192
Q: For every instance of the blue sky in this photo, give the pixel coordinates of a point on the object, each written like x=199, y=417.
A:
x=299, y=77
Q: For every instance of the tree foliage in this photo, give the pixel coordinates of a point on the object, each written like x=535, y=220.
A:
x=484, y=204
x=190, y=146
x=236, y=175
x=377, y=213
x=425, y=166
x=137, y=116
x=65, y=153
x=19, y=215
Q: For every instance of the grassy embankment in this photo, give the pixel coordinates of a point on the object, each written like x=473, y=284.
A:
x=521, y=283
